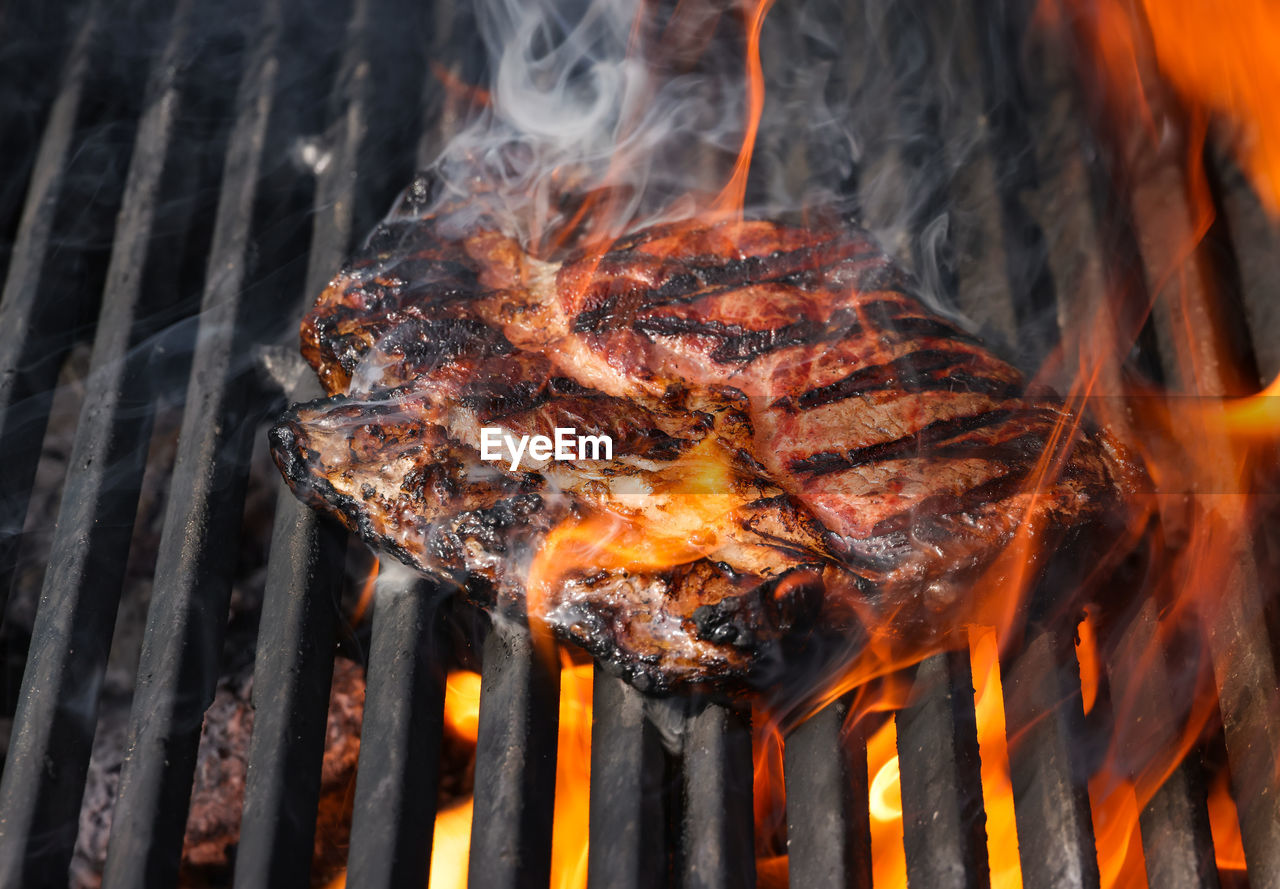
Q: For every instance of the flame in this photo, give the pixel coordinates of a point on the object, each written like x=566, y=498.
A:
x=888, y=856
x=1226, y=65
x=462, y=704
x=733, y=197
x=1183, y=70
x=450, y=843
x=1114, y=806
x=365, y=599
x=573, y=779
x=993, y=749
x=1087, y=655
x=1225, y=824
x=673, y=523
x=452, y=837
x=770, y=800
x=1222, y=68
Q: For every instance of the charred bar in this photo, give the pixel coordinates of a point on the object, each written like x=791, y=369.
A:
x=515, y=762
x=1176, y=841
x=290, y=698
x=34, y=339
x=299, y=615
x=943, y=822
x=185, y=623
x=72, y=633
x=1051, y=804
x=717, y=850
x=626, y=830
x=395, y=802
x=828, y=821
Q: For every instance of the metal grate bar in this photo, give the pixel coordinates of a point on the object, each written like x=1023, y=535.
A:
x=828, y=821
x=626, y=827
x=1010, y=243
x=34, y=40
x=1043, y=720
x=290, y=697
x=72, y=634
x=1176, y=840
x=180, y=654
x=943, y=822
x=515, y=762
x=34, y=339
x=1252, y=235
x=717, y=851
x=396, y=783
x=294, y=665
x=1247, y=686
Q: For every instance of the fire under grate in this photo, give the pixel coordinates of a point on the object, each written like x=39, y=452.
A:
x=163, y=149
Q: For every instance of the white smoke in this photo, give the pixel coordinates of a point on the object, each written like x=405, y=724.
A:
x=648, y=100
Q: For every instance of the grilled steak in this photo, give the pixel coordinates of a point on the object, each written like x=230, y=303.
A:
x=804, y=438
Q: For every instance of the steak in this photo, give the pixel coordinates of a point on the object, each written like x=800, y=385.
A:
x=798, y=439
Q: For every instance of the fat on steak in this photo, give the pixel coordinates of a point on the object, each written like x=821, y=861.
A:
x=871, y=457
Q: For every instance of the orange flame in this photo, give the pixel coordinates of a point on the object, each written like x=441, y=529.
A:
x=672, y=523
x=1226, y=65
x=1087, y=655
x=888, y=856
x=365, y=599
x=452, y=836
x=1225, y=824
x=1224, y=69
x=462, y=704
x=993, y=749
x=732, y=198
x=1184, y=69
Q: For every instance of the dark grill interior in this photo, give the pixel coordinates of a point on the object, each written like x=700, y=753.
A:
x=179, y=182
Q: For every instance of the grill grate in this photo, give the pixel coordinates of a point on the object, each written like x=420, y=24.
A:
x=263, y=235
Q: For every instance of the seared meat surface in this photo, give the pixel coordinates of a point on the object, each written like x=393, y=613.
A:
x=795, y=431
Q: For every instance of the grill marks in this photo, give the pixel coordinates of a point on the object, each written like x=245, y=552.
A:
x=735, y=343
x=412, y=307
x=941, y=438
x=925, y=370
x=633, y=288
x=878, y=449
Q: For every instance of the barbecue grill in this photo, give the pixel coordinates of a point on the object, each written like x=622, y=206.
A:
x=155, y=149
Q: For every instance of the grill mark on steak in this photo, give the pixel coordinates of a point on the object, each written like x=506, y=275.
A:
x=430, y=342
x=702, y=277
x=989, y=493
x=905, y=321
x=737, y=343
x=935, y=433
x=918, y=371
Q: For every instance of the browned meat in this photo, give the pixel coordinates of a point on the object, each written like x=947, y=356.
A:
x=804, y=435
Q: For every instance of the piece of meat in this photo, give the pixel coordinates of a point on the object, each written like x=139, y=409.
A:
x=858, y=454
x=401, y=468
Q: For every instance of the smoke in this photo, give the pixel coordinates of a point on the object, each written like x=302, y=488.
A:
x=646, y=102
x=910, y=124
